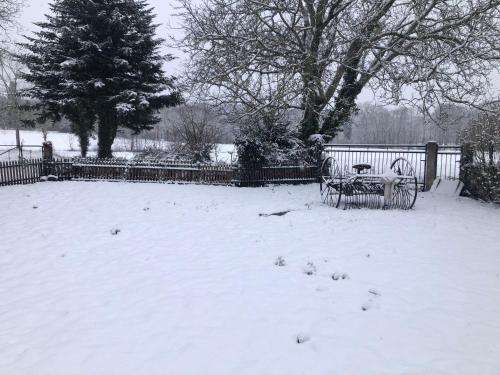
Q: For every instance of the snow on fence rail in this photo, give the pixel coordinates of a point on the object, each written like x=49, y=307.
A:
x=144, y=171
x=153, y=171
x=277, y=174
x=176, y=171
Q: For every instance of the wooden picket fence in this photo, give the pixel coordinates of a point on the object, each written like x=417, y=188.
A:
x=275, y=174
x=20, y=172
x=139, y=171
x=30, y=171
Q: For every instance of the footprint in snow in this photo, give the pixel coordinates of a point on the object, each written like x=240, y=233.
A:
x=372, y=302
x=280, y=262
x=340, y=276
x=303, y=338
x=310, y=269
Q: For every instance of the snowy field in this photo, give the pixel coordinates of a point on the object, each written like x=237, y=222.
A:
x=66, y=145
x=151, y=279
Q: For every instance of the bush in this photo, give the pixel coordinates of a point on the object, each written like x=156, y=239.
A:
x=266, y=140
x=482, y=181
x=480, y=169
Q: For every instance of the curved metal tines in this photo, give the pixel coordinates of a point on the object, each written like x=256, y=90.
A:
x=359, y=194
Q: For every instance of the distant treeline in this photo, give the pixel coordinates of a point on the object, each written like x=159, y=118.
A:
x=372, y=124
x=383, y=125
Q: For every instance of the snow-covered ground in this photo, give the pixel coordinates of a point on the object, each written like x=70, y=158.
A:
x=133, y=279
x=66, y=145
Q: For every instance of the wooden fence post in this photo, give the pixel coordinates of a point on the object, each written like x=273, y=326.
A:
x=18, y=144
x=431, y=159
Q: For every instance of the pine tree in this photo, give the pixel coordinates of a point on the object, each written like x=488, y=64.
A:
x=100, y=59
x=44, y=59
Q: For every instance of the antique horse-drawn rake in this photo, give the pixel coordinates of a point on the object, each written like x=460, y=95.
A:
x=397, y=188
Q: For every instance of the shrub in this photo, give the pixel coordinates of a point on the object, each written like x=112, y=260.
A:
x=266, y=140
x=480, y=169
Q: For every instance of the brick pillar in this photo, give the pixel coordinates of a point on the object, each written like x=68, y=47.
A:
x=47, y=151
x=431, y=159
x=48, y=157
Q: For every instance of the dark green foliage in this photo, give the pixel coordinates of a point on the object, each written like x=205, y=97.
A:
x=99, y=60
x=251, y=152
x=482, y=181
x=480, y=164
x=266, y=140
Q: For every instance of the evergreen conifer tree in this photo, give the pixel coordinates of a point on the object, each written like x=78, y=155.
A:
x=99, y=60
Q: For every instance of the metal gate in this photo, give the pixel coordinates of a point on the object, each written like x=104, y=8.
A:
x=380, y=157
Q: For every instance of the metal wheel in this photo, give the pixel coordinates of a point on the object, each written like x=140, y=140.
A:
x=405, y=190
x=330, y=182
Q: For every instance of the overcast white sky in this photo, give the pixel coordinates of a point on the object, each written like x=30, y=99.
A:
x=165, y=11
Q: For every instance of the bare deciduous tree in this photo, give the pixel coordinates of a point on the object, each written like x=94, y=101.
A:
x=196, y=132
x=318, y=55
x=483, y=134
x=402, y=125
x=9, y=67
x=8, y=11
x=10, y=71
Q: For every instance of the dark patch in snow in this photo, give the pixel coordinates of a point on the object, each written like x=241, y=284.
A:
x=115, y=231
x=371, y=304
x=281, y=213
x=280, y=262
x=35, y=207
x=146, y=209
x=340, y=276
x=310, y=269
x=303, y=338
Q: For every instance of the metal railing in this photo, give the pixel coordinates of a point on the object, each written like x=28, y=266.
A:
x=448, y=162
x=16, y=152
x=380, y=157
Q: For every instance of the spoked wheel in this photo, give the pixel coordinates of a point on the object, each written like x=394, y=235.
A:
x=405, y=191
x=330, y=182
